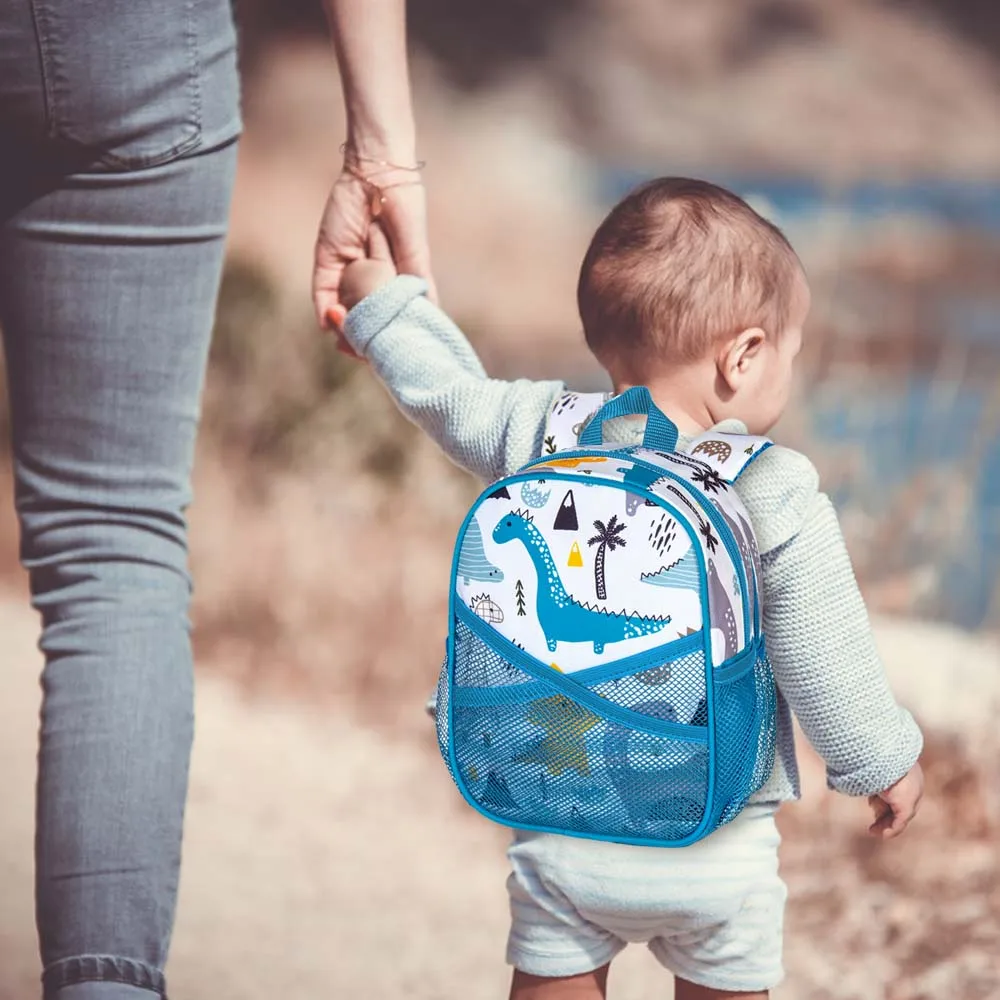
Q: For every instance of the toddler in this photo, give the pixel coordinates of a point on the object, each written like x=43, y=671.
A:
x=688, y=291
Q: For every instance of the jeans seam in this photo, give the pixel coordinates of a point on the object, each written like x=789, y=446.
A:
x=194, y=68
x=102, y=968
x=45, y=58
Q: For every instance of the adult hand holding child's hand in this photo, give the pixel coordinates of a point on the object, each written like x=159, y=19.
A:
x=360, y=278
x=345, y=233
x=367, y=274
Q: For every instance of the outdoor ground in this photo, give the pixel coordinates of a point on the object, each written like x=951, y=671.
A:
x=324, y=859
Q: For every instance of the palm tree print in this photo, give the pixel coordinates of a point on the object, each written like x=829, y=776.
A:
x=709, y=479
x=710, y=540
x=607, y=539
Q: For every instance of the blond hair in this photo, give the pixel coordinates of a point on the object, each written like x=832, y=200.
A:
x=677, y=267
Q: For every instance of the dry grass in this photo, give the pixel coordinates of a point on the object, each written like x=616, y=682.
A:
x=323, y=521
x=916, y=920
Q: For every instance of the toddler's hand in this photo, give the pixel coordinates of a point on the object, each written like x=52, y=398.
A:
x=897, y=805
x=362, y=277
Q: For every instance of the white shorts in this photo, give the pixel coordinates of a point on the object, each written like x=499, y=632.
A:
x=711, y=913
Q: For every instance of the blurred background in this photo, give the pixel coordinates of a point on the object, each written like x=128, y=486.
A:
x=870, y=131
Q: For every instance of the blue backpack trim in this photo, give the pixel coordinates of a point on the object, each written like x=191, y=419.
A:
x=632, y=720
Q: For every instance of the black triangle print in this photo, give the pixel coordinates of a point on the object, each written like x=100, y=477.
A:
x=566, y=517
x=500, y=494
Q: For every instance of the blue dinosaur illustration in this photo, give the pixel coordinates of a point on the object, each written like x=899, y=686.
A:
x=682, y=574
x=638, y=475
x=562, y=618
x=721, y=611
x=472, y=561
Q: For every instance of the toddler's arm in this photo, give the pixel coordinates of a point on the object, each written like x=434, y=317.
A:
x=488, y=426
x=819, y=637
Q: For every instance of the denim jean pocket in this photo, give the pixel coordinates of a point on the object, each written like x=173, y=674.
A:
x=122, y=77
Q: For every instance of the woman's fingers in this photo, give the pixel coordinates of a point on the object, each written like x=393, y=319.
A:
x=378, y=244
x=404, y=221
x=341, y=239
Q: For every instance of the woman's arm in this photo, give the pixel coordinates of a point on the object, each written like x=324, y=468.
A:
x=379, y=159
x=370, y=41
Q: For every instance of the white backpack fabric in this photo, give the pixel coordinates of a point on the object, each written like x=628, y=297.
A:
x=606, y=672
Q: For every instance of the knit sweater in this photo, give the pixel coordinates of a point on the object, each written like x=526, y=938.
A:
x=819, y=639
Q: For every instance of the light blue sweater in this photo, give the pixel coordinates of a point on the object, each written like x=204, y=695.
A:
x=819, y=639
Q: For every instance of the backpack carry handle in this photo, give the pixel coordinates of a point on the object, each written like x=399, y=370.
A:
x=661, y=434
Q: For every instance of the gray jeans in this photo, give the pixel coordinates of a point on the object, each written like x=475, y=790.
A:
x=118, y=121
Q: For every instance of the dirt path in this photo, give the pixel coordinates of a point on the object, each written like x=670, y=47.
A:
x=317, y=863
x=321, y=858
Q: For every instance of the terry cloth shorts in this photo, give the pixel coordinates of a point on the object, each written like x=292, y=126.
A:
x=711, y=913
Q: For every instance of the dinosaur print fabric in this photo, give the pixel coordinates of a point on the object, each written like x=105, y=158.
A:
x=605, y=591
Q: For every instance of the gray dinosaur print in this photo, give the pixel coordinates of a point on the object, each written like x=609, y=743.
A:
x=751, y=538
x=721, y=611
x=744, y=537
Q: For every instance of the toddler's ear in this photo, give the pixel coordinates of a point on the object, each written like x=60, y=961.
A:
x=736, y=357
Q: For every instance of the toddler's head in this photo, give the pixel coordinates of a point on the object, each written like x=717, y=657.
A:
x=687, y=290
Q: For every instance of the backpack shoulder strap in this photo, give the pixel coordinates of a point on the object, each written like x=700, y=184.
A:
x=568, y=416
x=729, y=454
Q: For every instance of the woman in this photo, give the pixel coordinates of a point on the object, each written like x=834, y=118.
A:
x=118, y=128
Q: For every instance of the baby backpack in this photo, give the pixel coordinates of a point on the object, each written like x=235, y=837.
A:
x=606, y=674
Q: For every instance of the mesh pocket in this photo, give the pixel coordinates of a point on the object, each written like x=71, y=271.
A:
x=673, y=690
x=616, y=766
x=744, y=728
x=441, y=714
x=477, y=665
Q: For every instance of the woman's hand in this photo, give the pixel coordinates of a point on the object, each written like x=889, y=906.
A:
x=344, y=231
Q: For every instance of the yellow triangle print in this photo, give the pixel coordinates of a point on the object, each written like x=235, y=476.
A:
x=575, y=559
x=556, y=667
